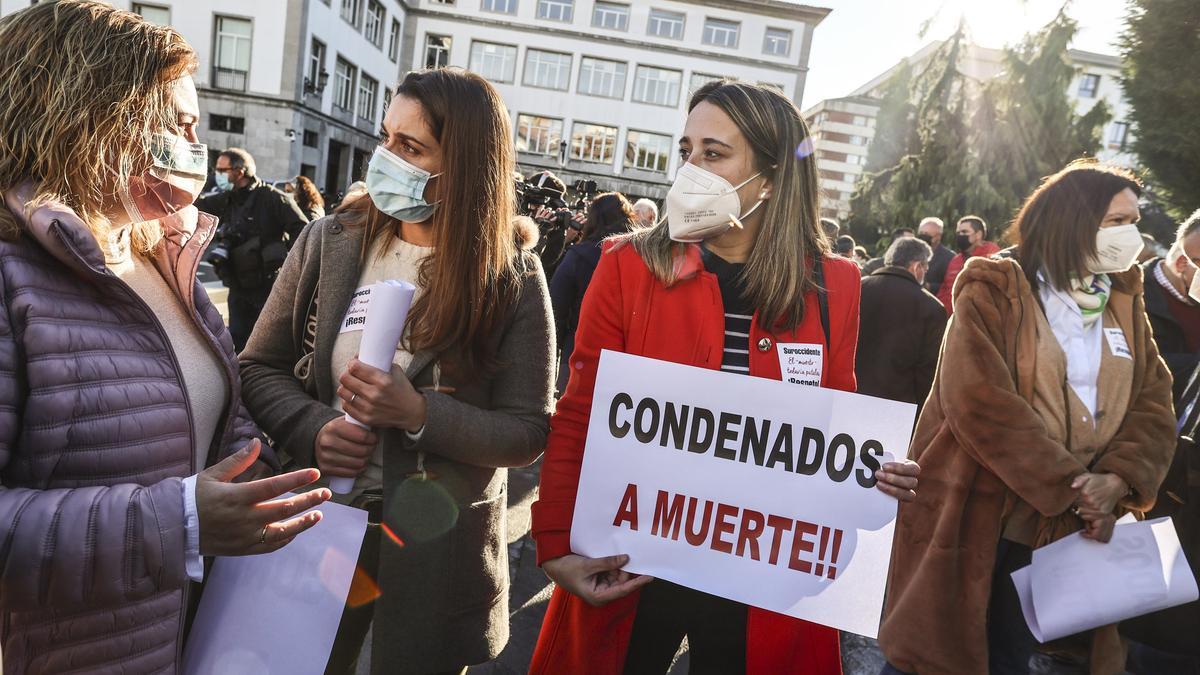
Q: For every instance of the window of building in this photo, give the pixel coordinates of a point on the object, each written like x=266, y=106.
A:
x=772, y=85
x=870, y=122
x=437, y=51
x=855, y=159
x=657, y=85
x=610, y=15
x=352, y=11
x=858, y=140
x=311, y=139
x=231, y=64
x=859, y=121
x=230, y=125
x=1118, y=134
x=499, y=6
x=721, y=33
x=556, y=10
x=373, y=28
x=593, y=143
x=599, y=77
x=665, y=24
x=368, y=94
x=388, y=95
x=700, y=79
x=647, y=151
x=497, y=63
x=345, y=75
x=538, y=135
x=548, y=70
x=153, y=13
x=394, y=41
x=778, y=42
x=316, y=61
x=1088, y=85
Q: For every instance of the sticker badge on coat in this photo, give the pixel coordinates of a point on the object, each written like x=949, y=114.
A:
x=1117, y=344
x=356, y=313
x=801, y=362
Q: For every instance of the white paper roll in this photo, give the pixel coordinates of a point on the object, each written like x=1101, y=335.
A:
x=384, y=326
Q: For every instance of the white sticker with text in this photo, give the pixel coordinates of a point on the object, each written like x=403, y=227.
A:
x=1117, y=344
x=356, y=313
x=801, y=362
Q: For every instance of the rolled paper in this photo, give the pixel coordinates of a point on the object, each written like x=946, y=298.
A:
x=384, y=326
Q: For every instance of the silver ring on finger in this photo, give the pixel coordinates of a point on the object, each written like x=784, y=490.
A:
x=262, y=538
x=352, y=397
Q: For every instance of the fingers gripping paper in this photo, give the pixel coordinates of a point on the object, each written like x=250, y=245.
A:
x=389, y=302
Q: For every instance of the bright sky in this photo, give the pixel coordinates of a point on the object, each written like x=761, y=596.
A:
x=863, y=38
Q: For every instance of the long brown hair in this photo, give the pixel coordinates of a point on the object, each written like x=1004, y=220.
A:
x=472, y=278
x=779, y=271
x=608, y=214
x=1056, y=227
x=86, y=87
x=306, y=194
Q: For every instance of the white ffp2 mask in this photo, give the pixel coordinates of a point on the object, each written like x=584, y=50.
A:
x=702, y=205
x=1117, y=249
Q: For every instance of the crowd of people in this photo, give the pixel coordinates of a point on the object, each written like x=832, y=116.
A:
x=140, y=436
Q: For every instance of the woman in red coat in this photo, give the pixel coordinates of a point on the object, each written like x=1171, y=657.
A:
x=739, y=266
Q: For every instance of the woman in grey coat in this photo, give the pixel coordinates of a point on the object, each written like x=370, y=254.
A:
x=469, y=393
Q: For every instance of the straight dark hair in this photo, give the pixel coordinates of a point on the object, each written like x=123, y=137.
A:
x=608, y=214
x=474, y=274
x=1056, y=227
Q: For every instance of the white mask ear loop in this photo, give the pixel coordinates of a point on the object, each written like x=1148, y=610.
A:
x=131, y=209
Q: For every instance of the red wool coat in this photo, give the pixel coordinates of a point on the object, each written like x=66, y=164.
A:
x=627, y=309
x=983, y=250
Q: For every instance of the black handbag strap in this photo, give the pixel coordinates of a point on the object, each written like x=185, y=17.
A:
x=822, y=300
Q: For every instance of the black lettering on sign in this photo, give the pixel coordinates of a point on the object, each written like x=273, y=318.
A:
x=699, y=443
x=619, y=430
x=808, y=464
x=643, y=431
x=674, y=425
x=841, y=444
x=869, y=455
x=726, y=432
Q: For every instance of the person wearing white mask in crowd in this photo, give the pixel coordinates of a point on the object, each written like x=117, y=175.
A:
x=1173, y=301
x=1050, y=414
x=742, y=227
x=470, y=391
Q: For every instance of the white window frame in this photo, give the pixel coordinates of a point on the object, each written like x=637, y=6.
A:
x=717, y=35
x=508, y=60
x=394, y=40
x=556, y=10
x=535, y=67
x=647, y=89
x=388, y=95
x=354, y=16
x=368, y=94
x=771, y=43
x=608, y=143
x=140, y=8
x=445, y=50
x=660, y=17
x=1095, y=90
x=373, y=21
x=1116, y=140
x=220, y=35
x=603, y=12
x=638, y=162
x=317, y=51
x=694, y=77
x=344, y=84
x=615, y=78
x=541, y=134
x=498, y=6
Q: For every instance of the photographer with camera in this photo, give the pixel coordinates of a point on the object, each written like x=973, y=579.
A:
x=258, y=224
x=543, y=198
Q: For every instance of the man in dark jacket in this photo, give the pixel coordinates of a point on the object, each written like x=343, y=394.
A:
x=258, y=225
x=930, y=231
x=1174, y=313
x=901, y=327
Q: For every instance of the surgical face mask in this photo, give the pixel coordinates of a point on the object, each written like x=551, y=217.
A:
x=171, y=184
x=1194, y=287
x=223, y=182
x=702, y=205
x=398, y=188
x=1117, y=248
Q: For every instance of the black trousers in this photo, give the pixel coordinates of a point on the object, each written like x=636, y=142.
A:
x=244, y=308
x=715, y=629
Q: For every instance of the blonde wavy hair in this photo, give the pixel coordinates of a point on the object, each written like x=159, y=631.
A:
x=85, y=87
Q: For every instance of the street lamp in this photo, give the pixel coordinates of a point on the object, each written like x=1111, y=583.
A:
x=317, y=87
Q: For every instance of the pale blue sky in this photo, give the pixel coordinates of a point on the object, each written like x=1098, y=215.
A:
x=862, y=38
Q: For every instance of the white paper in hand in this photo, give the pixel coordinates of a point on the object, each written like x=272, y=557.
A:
x=384, y=326
x=1076, y=584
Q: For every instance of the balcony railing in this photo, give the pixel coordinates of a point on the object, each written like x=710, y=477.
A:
x=229, y=79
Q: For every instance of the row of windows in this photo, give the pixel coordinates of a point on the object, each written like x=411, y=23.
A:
x=370, y=19
x=595, y=143
x=231, y=45
x=663, y=23
x=552, y=70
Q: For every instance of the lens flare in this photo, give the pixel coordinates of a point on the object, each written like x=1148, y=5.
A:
x=805, y=148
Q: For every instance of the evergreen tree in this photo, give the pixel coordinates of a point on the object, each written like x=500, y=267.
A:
x=1161, y=49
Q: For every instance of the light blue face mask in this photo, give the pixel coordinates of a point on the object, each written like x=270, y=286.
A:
x=223, y=182
x=398, y=188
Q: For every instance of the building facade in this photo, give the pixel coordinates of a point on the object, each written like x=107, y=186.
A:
x=843, y=128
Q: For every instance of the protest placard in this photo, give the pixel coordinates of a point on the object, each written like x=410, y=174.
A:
x=752, y=489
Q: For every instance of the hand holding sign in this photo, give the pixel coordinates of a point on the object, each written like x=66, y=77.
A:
x=382, y=328
x=596, y=581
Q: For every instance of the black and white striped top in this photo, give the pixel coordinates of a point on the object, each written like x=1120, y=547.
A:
x=739, y=315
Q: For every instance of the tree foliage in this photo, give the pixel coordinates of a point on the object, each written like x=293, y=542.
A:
x=1161, y=49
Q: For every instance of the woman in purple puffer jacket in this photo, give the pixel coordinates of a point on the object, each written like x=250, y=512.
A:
x=117, y=376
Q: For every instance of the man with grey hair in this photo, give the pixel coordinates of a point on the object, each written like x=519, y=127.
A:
x=1172, y=293
x=930, y=231
x=258, y=225
x=646, y=211
x=901, y=327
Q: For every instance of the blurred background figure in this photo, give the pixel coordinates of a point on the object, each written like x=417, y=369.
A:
x=930, y=231
x=1172, y=293
x=901, y=328
x=844, y=246
x=646, y=211
x=971, y=240
x=875, y=263
x=308, y=198
x=831, y=228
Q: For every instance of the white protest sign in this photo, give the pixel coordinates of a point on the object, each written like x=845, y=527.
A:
x=278, y=613
x=1076, y=584
x=801, y=363
x=747, y=488
x=356, y=313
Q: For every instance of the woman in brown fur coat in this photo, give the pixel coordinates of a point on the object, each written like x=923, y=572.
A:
x=1050, y=413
